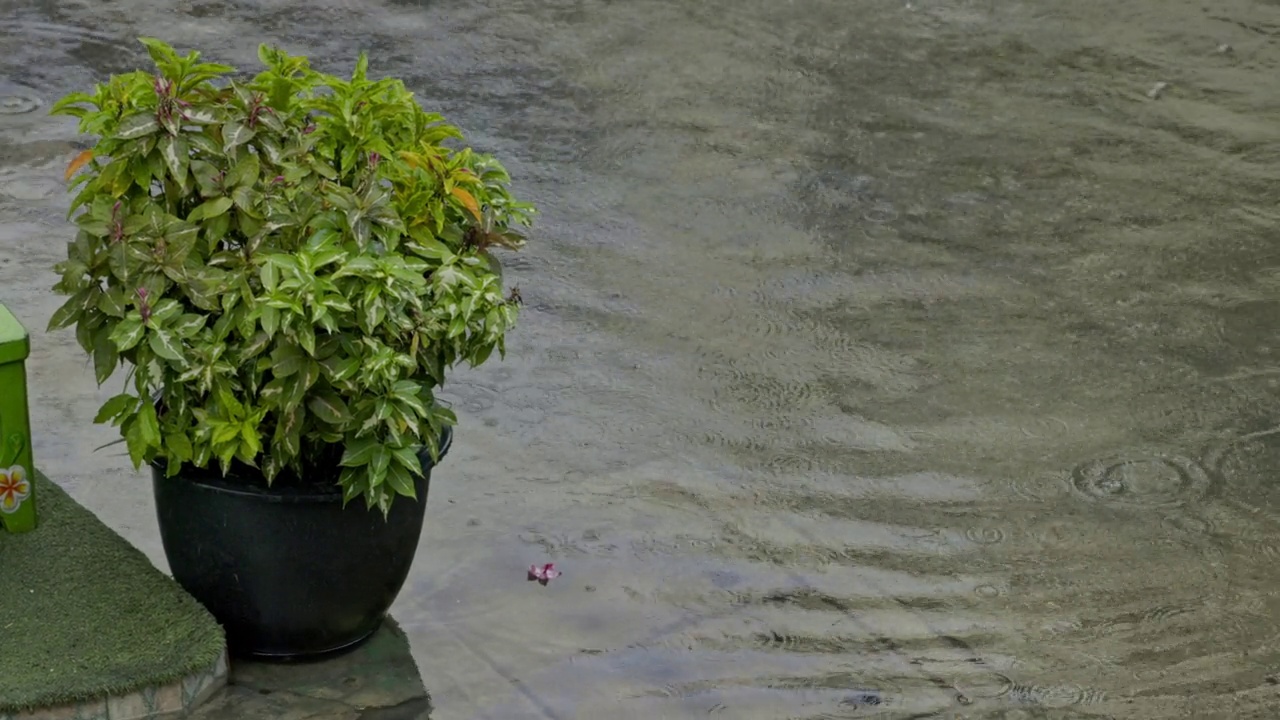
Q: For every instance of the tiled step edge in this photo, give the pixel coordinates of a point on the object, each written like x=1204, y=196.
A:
x=179, y=696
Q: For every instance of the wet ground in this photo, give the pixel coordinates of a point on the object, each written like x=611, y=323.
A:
x=881, y=358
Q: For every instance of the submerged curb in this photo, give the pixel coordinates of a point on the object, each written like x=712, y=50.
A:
x=179, y=696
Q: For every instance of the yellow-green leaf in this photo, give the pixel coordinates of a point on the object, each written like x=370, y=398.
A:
x=178, y=447
x=148, y=424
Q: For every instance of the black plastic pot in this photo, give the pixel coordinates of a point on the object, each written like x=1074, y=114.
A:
x=286, y=570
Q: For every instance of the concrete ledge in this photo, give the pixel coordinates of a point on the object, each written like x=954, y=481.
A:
x=91, y=630
x=377, y=681
x=181, y=696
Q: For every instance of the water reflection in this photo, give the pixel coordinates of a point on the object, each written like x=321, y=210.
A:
x=904, y=360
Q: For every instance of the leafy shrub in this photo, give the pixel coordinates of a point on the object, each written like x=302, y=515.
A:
x=289, y=266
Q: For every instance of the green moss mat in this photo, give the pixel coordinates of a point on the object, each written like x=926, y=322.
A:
x=85, y=614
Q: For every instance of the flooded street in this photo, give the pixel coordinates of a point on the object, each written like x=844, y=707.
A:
x=879, y=358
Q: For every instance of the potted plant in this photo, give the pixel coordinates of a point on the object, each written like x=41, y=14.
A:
x=289, y=265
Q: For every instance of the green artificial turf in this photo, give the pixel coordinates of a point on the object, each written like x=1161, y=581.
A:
x=84, y=614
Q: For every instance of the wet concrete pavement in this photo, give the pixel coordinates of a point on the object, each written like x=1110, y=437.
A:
x=879, y=358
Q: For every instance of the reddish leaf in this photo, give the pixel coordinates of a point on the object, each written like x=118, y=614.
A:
x=468, y=200
x=77, y=163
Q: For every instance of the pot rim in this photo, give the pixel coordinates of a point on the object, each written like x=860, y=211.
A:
x=210, y=478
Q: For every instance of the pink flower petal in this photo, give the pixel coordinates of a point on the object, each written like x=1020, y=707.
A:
x=543, y=574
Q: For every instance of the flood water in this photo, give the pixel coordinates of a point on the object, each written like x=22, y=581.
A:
x=880, y=358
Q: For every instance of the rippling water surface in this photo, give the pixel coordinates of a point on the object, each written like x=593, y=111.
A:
x=880, y=358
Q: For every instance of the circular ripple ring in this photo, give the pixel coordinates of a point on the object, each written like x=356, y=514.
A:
x=17, y=104
x=1144, y=480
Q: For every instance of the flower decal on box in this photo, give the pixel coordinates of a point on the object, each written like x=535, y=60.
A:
x=14, y=488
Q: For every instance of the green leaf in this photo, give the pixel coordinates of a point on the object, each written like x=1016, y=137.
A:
x=270, y=318
x=457, y=327
x=407, y=457
x=161, y=53
x=336, y=303
x=288, y=433
x=176, y=157
x=201, y=142
x=287, y=360
x=207, y=177
x=166, y=345
x=270, y=276
x=361, y=265
x=70, y=311
x=85, y=333
x=360, y=230
x=378, y=465
x=210, y=209
x=112, y=302
x=142, y=175
x=330, y=408
x=128, y=333
x=199, y=115
x=401, y=481
x=308, y=377
x=216, y=229
x=272, y=149
x=226, y=454
x=228, y=400
x=202, y=456
x=148, y=425
x=256, y=345
x=136, y=442
x=307, y=338
x=189, y=324
x=64, y=106
x=155, y=164
x=430, y=248
x=341, y=368
x=443, y=415
x=136, y=126
x=164, y=311
x=250, y=443
x=359, y=452
x=245, y=172
x=352, y=486
x=178, y=447
x=361, y=71
x=112, y=409
x=326, y=257
x=249, y=201
x=234, y=134
x=480, y=354
x=105, y=356
x=224, y=432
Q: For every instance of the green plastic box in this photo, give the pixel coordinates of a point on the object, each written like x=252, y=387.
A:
x=17, y=498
